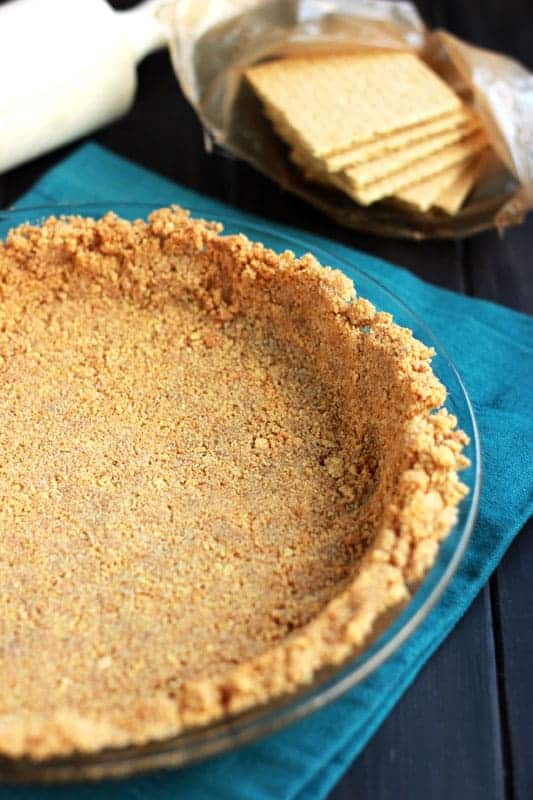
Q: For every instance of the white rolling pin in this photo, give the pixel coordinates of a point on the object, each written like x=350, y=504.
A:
x=67, y=67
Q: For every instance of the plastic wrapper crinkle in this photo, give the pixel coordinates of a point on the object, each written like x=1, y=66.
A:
x=213, y=41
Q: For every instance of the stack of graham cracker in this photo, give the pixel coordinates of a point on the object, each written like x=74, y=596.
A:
x=376, y=125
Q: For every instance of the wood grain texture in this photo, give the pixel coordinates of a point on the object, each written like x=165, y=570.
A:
x=513, y=622
x=409, y=760
x=463, y=729
x=499, y=269
x=443, y=738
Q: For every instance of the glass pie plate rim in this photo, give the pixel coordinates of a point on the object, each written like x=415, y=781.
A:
x=329, y=685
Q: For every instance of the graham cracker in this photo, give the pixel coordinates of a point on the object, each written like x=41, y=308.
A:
x=453, y=196
x=446, y=190
x=313, y=172
x=396, y=141
x=363, y=174
x=328, y=104
x=422, y=195
x=417, y=171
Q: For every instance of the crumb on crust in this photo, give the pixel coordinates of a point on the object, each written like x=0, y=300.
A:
x=285, y=438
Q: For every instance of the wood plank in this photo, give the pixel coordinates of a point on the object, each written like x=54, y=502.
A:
x=450, y=716
x=442, y=739
x=412, y=746
x=499, y=270
x=511, y=590
x=505, y=27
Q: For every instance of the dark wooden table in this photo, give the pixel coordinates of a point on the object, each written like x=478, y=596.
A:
x=465, y=727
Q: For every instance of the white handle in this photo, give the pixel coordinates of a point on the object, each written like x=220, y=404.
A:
x=67, y=67
x=143, y=28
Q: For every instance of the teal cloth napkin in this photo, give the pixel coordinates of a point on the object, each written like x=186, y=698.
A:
x=493, y=348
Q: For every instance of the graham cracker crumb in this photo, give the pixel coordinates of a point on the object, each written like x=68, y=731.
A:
x=203, y=497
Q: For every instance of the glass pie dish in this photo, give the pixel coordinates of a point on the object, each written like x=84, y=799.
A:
x=329, y=683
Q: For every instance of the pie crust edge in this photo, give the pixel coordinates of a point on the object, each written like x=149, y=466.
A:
x=406, y=543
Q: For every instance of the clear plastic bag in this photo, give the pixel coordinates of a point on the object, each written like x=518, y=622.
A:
x=213, y=41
